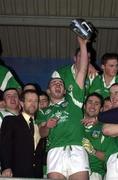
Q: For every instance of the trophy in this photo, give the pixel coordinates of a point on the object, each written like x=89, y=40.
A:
x=84, y=29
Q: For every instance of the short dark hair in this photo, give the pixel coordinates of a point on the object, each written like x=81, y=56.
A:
x=97, y=95
x=43, y=93
x=114, y=84
x=35, y=85
x=108, y=56
x=23, y=94
x=8, y=89
x=107, y=98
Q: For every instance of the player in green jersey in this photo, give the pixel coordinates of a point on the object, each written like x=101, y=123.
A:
x=68, y=72
x=110, y=128
x=61, y=122
x=98, y=146
x=102, y=83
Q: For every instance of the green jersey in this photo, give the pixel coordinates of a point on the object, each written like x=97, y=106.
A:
x=69, y=130
x=67, y=73
x=102, y=143
x=7, y=80
x=99, y=86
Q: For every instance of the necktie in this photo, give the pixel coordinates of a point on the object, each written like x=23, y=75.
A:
x=31, y=126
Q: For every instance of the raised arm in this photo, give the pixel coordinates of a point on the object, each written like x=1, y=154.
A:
x=82, y=63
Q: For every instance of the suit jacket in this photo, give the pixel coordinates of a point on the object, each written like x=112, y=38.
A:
x=17, y=148
x=110, y=116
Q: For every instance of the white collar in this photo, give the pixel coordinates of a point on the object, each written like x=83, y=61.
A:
x=62, y=100
x=73, y=70
x=112, y=82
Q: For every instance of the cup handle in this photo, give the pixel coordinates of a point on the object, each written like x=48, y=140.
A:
x=84, y=23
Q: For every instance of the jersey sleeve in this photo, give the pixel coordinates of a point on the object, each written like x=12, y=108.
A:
x=110, y=116
x=40, y=117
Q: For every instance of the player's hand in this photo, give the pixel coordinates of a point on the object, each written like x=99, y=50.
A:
x=7, y=173
x=89, y=121
x=51, y=123
x=82, y=41
x=88, y=146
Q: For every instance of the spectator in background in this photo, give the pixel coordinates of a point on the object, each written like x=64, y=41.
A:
x=43, y=100
x=107, y=104
x=29, y=86
x=102, y=83
x=21, y=152
x=12, y=103
x=43, y=103
x=32, y=86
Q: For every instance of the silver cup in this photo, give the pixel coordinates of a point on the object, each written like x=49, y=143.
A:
x=84, y=29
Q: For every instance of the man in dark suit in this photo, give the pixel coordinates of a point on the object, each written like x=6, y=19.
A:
x=21, y=150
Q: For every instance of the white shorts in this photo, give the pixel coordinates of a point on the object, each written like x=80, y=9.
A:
x=112, y=167
x=95, y=176
x=68, y=160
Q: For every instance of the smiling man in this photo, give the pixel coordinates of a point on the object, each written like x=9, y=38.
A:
x=98, y=146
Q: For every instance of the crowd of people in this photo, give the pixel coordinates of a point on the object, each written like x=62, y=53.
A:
x=69, y=131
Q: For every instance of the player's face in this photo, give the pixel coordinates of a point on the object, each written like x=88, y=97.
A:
x=11, y=99
x=30, y=104
x=107, y=105
x=43, y=101
x=56, y=89
x=92, y=106
x=114, y=95
x=111, y=67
